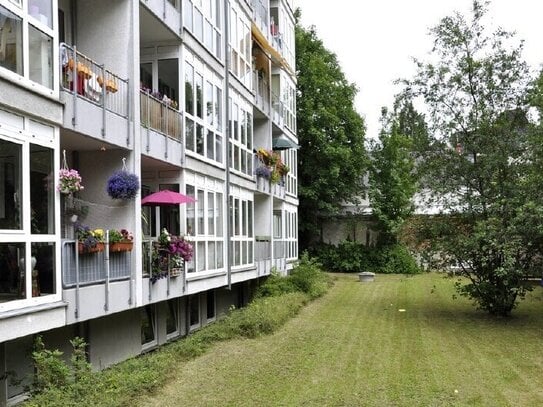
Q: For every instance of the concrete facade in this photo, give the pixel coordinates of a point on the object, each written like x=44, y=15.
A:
x=184, y=94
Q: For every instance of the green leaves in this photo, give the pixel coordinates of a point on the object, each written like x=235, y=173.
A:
x=332, y=156
x=482, y=157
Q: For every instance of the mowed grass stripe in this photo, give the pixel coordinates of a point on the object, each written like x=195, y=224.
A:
x=354, y=348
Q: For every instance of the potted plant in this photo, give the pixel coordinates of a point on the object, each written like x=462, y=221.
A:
x=120, y=240
x=69, y=181
x=169, y=255
x=88, y=240
x=123, y=185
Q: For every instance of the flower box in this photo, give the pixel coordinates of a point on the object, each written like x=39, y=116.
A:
x=121, y=247
x=99, y=247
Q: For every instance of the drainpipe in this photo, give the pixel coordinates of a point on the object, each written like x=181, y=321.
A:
x=227, y=138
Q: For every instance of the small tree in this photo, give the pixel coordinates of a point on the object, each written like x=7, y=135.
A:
x=480, y=157
x=392, y=179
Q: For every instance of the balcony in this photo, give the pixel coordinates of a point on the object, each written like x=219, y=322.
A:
x=167, y=12
x=95, y=284
x=263, y=255
x=262, y=92
x=93, y=268
x=160, y=285
x=163, y=126
x=96, y=100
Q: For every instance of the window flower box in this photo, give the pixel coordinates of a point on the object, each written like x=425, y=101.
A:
x=121, y=247
x=82, y=249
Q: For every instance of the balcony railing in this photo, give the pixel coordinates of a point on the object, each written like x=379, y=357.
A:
x=160, y=116
x=93, y=268
x=89, y=80
x=262, y=248
x=262, y=91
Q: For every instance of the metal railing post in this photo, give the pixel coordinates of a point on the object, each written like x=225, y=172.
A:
x=106, y=261
x=75, y=88
x=102, y=67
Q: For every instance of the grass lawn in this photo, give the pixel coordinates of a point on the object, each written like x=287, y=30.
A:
x=354, y=348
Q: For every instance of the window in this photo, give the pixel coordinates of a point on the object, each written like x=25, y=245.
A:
x=203, y=108
x=241, y=135
x=148, y=335
x=210, y=305
x=10, y=185
x=208, y=231
x=172, y=321
x=33, y=59
x=40, y=57
x=11, y=41
x=194, y=311
x=240, y=46
x=241, y=217
x=289, y=157
x=19, y=261
x=203, y=20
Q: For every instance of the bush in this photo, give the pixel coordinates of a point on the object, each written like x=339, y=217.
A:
x=278, y=300
x=306, y=277
x=352, y=257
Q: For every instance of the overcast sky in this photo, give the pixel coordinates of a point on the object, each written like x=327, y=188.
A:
x=376, y=40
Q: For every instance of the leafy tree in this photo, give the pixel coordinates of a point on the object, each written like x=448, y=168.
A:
x=480, y=156
x=332, y=158
x=392, y=181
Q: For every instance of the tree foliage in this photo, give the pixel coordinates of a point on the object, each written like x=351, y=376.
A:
x=480, y=156
x=332, y=158
x=392, y=181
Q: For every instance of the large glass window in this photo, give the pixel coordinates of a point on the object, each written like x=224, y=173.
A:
x=10, y=185
x=28, y=259
x=42, y=190
x=241, y=216
x=241, y=136
x=36, y=25
x=41, y=11
x=11, y=41
x=203, y=20
x=203, y=121
x=240, y=46
x=40, y=57
x=12, y=271
x=208, y=237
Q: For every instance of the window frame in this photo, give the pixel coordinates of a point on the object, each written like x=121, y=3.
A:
x=20, y=9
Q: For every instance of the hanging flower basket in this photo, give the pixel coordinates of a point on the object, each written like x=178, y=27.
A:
x=123, y=185
x=69, y=180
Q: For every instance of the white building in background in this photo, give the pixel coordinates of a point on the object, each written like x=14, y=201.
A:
x=186, y=92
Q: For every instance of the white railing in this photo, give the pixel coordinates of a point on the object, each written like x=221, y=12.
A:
x=90, y=80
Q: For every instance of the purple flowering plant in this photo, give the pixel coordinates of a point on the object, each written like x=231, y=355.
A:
x=123, y=185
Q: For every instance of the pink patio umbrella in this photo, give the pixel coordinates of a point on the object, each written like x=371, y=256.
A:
x=165, y=198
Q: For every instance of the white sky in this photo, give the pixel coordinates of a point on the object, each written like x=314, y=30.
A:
x=376, y=40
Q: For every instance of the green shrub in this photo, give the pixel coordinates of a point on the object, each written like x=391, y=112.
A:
x=352, y=257
x=306, y=277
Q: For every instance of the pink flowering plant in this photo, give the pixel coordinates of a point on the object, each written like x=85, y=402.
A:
x=69, y=181
x=170, y=250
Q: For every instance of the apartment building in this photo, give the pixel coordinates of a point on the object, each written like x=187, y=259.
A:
x=193, y=96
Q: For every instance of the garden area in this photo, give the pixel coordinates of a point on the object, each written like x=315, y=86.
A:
x=399, y=341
